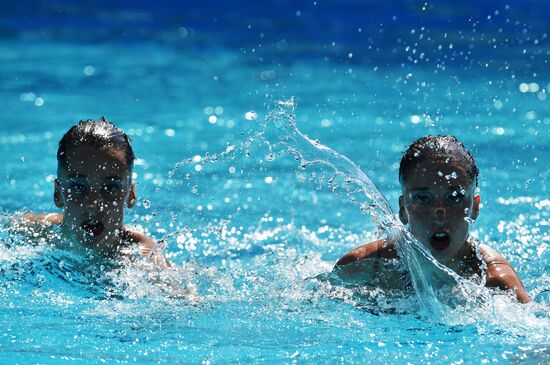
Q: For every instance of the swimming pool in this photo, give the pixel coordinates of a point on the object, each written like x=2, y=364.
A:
x=251, y=226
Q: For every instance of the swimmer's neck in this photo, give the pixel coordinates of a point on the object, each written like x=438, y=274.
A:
x=111, y=248
x=465, y=261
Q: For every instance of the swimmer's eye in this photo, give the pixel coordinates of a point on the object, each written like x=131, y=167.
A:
x=422, y=198
x=112, y=188
x=78, y=188
x=455, y=197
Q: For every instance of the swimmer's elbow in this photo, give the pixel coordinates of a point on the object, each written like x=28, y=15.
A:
x=507, y=279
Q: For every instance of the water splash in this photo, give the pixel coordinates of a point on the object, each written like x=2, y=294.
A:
x=431, y=280
x=437, y=288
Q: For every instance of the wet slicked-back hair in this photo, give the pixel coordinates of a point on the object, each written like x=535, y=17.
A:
x=98, y=133
x=445, y=148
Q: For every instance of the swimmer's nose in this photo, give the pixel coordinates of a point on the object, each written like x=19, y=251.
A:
x=440, y=215
x=94, y=204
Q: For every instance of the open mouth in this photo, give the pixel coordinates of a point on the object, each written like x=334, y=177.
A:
x=93, y=228
x=440, y=240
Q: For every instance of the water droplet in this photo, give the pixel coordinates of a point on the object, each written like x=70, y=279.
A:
x=89, y=70
x=251, y=115
x=523, y=87
x=415, y=119
x=146, y=204
x=452, y=175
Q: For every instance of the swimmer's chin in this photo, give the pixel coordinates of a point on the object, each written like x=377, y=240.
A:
x=106, y=245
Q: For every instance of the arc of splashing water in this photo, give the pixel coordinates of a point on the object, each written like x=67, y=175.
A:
x=424, y=269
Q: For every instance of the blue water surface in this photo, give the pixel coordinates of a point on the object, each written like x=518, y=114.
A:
x=227, y=184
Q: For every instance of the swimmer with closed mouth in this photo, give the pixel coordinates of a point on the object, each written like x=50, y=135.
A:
x=93, y=187
x=439, y=201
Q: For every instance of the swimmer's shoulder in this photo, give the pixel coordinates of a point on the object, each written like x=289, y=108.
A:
x=500, y=274
x=44, y=219
x=364, y=263
x=381, y=249
x=147, y=247
x=36, y=222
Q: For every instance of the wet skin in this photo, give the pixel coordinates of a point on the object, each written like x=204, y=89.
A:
x=93, y=190
x=438, y=203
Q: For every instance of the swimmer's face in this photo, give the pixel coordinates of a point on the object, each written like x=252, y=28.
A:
x=93, y=189
x=439, y=201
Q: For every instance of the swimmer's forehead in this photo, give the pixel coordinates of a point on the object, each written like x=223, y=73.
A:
x=92, y=156
x=81, y=176
x=451, y=188
x=90, y=151
x=93, y=163
x=432, y=174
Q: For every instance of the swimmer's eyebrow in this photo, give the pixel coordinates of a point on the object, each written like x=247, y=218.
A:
x=77, y=176
x=456, y=187
x=449, y=188
x=419, y=189
x=113, y=178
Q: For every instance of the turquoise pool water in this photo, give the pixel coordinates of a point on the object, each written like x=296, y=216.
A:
x=216, y=98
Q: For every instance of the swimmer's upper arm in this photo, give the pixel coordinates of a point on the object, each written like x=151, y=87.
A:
x=500, y=274
x=32, y=223
x=351, y=265
x=503, y=276
x=148, y=249
x=44, y=218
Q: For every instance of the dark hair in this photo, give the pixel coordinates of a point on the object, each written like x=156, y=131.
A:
x=437, y=147
x=99, y=133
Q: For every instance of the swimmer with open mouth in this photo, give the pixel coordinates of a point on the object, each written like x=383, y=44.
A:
x=439, y=202
x=93, y=187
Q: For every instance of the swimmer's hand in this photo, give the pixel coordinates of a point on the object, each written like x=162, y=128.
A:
x=148, y=248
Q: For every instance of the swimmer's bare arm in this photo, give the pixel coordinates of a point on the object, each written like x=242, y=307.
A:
x=32, y=223
x=148, y=248
x=38, y=223
x=352, y=266
x=502, y=275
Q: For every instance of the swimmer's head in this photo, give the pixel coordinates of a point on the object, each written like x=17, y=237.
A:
x=100, y=134
x=446, y=149
x=94, y=183
x=439, y=198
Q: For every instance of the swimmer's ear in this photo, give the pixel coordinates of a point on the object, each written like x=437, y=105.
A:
x=132, y=196
x=402, y=212
x=475, y=208
x=57, y=197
